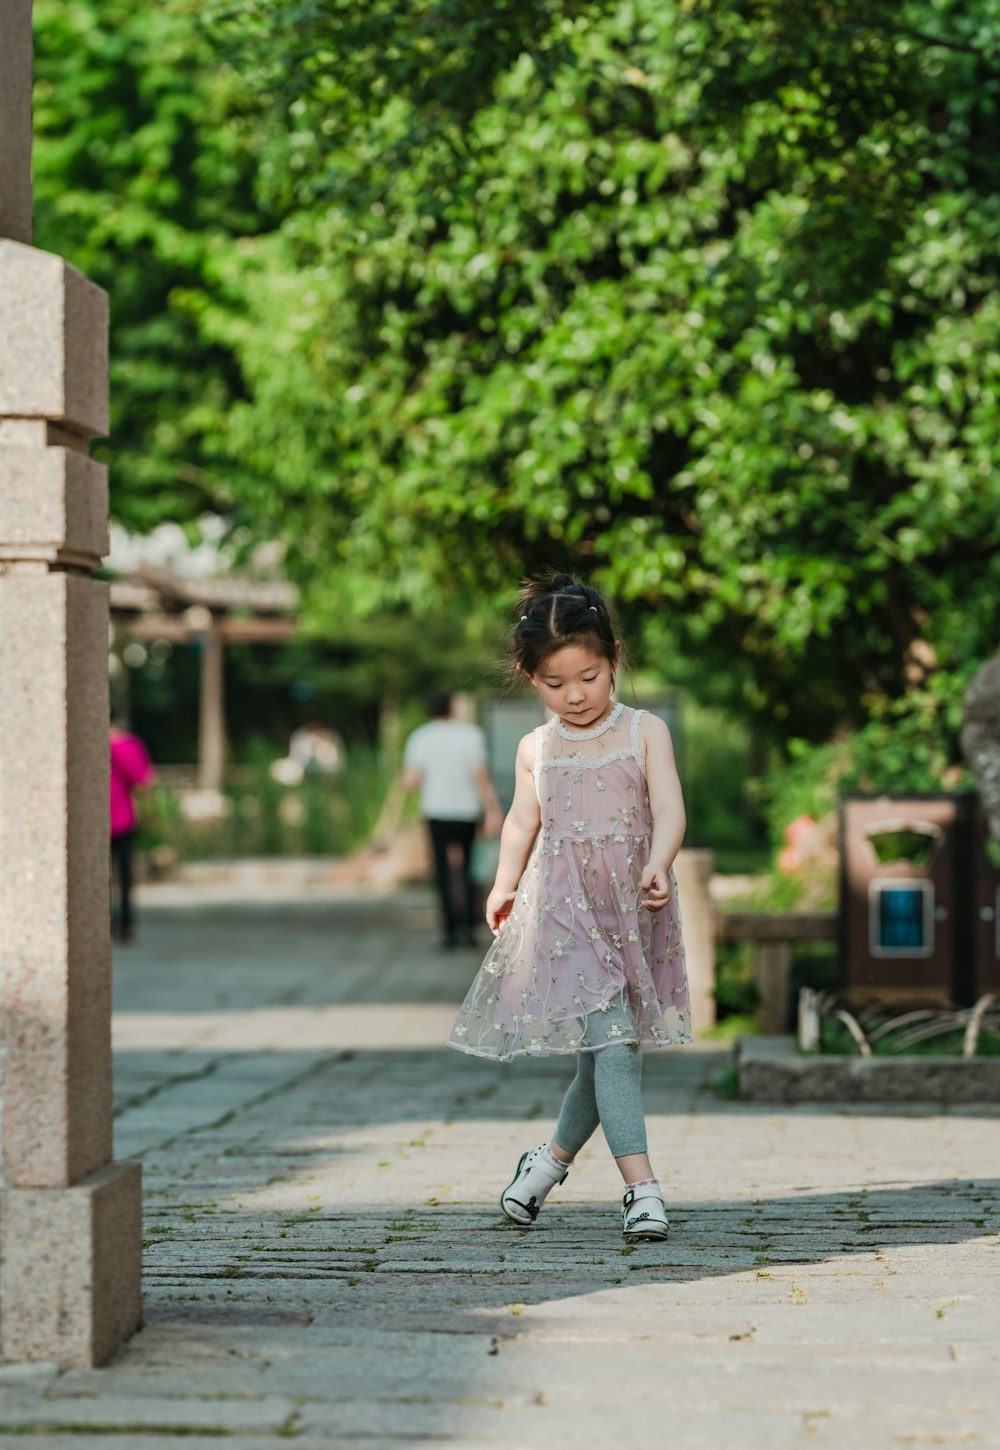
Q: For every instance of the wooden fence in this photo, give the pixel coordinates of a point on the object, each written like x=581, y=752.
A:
x=774, y=933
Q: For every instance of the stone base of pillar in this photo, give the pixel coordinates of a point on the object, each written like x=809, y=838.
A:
x=71, y=1268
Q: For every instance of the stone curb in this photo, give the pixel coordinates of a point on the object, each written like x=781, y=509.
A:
x=772, y=1070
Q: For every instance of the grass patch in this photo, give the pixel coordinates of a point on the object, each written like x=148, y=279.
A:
x=726, y=1086
x=836, y=1041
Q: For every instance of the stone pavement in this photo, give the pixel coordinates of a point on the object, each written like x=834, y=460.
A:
x=326, y=1265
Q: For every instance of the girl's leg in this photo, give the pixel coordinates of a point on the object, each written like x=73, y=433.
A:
x=618, y=1096
x=578, y=1116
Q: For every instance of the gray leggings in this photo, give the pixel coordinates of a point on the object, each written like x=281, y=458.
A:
x=607, y=1089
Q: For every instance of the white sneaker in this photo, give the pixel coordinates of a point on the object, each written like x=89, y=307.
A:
x=643, y=1213
x=534, y=1179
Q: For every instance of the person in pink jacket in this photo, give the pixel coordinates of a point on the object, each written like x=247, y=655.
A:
x=131, y=768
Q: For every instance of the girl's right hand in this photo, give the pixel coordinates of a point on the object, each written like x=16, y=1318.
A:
x=498, y=908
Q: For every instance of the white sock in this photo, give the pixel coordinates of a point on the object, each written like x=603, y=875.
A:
x=643, y=1183
x=554, y=1162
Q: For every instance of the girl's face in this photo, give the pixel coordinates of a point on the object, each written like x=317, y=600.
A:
x=575, y=683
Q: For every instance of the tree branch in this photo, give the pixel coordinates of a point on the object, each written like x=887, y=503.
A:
x=940, y=42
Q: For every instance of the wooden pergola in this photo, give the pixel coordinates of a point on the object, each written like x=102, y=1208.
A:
x=154, y=604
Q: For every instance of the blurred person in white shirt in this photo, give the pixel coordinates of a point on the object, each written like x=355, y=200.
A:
x=446, y=760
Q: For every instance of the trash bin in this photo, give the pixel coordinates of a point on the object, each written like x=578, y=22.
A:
x=916, y=887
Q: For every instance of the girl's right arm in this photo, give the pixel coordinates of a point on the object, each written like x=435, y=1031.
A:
x=517, y=837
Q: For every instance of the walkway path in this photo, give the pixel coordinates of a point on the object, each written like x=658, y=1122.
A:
x=325, y=1264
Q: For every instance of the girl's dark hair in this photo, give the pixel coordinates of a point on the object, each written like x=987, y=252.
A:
x=557, y=610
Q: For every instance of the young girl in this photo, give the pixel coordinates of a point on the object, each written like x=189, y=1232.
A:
x=588, y=957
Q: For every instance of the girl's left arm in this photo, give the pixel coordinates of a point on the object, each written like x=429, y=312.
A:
x=666, y=803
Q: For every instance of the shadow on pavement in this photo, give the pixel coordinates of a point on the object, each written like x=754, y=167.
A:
x=460, y=1267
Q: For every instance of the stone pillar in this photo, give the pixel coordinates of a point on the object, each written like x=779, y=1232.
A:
x=774, y=976
x=212, y=721
x=693, y=870
x=70, y=1219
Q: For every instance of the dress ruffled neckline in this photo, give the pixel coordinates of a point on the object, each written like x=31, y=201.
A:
x=605, y=725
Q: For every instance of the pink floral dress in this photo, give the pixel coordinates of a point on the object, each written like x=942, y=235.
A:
x=579, y=964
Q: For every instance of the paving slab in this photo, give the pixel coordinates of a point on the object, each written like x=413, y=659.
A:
x=325, y=1263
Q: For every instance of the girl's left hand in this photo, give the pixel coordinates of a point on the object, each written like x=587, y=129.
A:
x=498, y=908
x=656, y=884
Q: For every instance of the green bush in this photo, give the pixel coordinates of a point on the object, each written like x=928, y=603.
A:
x=814, y=964
x=837, y=1041
x=716, y=768
x=911, y=746
x=321, y=816
x=735, y=980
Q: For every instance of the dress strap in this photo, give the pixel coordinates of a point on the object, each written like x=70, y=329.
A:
x=634, y=736
x=537, y=769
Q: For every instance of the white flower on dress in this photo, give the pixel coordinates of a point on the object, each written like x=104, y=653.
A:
x=604, y=1007
x=594, y=934
x=616, y=1030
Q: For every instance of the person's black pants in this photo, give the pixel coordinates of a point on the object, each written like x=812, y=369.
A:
x=459, y=917
x=121, y=872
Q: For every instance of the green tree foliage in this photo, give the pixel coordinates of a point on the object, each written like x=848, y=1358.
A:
x=696, y=295
x=144, y=177
x=700, y=297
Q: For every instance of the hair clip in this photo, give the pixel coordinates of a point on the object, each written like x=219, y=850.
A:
x=594, y=608
x=523, y=618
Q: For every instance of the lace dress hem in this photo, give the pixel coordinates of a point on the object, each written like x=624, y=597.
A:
x=645, y=1044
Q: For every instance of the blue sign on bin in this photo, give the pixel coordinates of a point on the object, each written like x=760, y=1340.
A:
x=901, y=918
